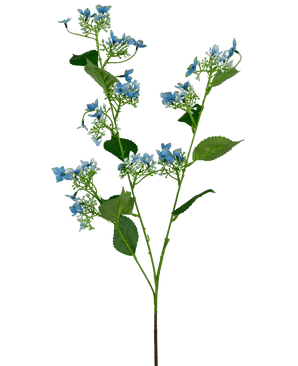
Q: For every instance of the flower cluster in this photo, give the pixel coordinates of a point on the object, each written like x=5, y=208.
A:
x=70, y=173
x=127, y=93
x=128, y=40
x=85, y=15
x=97, y=131
x=185, y=99
x=217, y=58
x=143, y=166
x=85, y=207
x=81, y=177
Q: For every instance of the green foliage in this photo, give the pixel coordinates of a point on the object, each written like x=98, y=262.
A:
x=220, y=77
x=130, y=233
x=112, y=209
x=186, y=117
x=212, y=148
x=187, y=204
x=80, y=60
x=101, y=76
x=113, y=147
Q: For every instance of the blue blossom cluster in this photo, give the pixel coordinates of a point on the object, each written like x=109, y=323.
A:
x=124, y=40
x=102, y=10
x=216, y=56
x=76, y=207
x=70, y=173
x=98, y=115
x=165, y=156
x=83, y=207
x=130, y=89
x=168, y=98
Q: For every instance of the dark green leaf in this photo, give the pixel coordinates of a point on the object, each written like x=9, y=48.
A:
x=101, y=76
x=187, y=204
x=113, y=147
x=129, y=231
x=212, y=148
x=80, y=60
x=186, y=118
x=220, y=77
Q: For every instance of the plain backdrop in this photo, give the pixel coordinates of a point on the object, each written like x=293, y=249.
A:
x=228, y=284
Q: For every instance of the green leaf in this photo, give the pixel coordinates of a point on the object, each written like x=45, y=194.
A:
x=129, y=231
x=212, y=148
x=187, y=204
x=112, y=209
x=113, y=147
x=108, y=209
x=186, y=117
x=220, y=77
x=115, y=196
x=101, y=76
x=80, y=60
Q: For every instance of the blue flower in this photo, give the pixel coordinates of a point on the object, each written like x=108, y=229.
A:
x=60, y=174
x=86, y=13
x=146, y=158
x=91, y=107
x=183, y=86
x=75, y=208
x=131, y=94
x=114, y=39
x=64, y=21
x=77, y=171
x=86, y=164
x=181, y=95
x=121, y=166
x=177, y=153
x=169, y=97
x=128, y=40
x=135, y=158
x=224, y=56
x=232, y=49
x=82, y=226
x=97, y=115
x=121, y=88
x=95, y=140
x=73, y=197
x=214, y=50
x=165, y=153
x=192, y=67
x=139, y=44
x=103, y=9
x=98, y=17
x=82, y=126
x=126, y=73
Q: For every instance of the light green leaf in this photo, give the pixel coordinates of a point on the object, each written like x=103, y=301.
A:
x=187, y=204
x=220, y=77
x=113, y=208
x=212, y=148
x=129, y=231
x=101, y=76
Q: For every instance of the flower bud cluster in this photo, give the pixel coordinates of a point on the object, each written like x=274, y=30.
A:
x=101, y=20
x=129, y=90
x=139, y=166
x=99, y=124
x=82, y=171
x=217, y=58
x=84, y=210
x=185, y=99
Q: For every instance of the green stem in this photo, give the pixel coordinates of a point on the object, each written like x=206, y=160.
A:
x=78, y=34
x=97, y=46
x=207, y=91
x=122, y=154
x=143, y=227
x=132, y=253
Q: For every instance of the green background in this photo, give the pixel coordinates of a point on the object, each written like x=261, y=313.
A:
x=229, y=285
